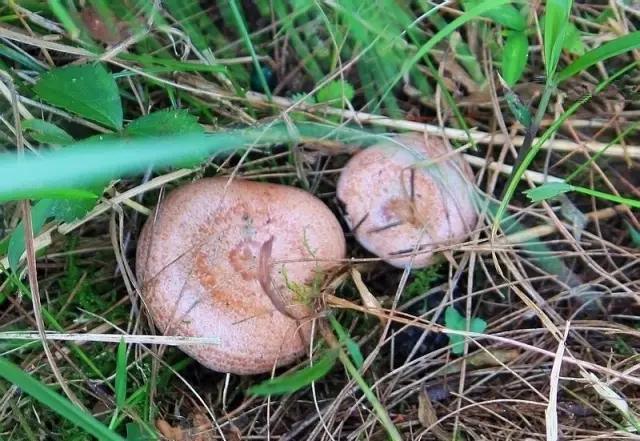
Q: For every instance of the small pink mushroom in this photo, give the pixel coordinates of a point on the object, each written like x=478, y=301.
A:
x=395, y=205
x=210, y=251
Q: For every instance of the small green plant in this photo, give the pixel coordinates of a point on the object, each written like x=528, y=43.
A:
x=455, y=321
x=423, y=281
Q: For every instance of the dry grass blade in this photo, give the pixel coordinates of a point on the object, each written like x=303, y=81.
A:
x=368, y=299
x=551, y=413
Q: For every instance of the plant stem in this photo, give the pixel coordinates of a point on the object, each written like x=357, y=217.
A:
x=531, y=133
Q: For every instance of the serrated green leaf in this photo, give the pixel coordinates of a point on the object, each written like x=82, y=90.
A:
x=505, y=15
x=455, y=321
x=609, y=49
x=57, y=403
x=164, y=122
x=633, y=234
x=345, y=339
x=87, y=90
x=556, y=20
x=40, y=212
x=46, y=133
x=298, y=380
x=121, y=374
x=548, y=190
x=334, y=92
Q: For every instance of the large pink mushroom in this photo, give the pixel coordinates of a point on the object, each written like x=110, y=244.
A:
x=228, y=259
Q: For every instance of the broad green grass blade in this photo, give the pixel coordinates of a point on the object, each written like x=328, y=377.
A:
x=56, y=402
x=609, y=49
x=90, y=161
x=555, y=28
x=298, y=380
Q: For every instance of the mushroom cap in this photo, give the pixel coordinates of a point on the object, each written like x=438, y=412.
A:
x=376, y=187
x=197, y=264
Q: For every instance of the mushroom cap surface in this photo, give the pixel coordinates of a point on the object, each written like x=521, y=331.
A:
x=387, y=208
x=198, y=266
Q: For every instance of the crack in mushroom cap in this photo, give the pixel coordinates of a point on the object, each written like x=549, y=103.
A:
x=197, y=263
x=387, y=205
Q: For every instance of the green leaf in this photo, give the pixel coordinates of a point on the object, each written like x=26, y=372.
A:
x=345, y=339
x=505, y=15
x=516, y=54
x=610, y=49
x=455, y=321
x=87, y=90
x=58, y=404
x=633, y=234
x=555, y=27
x=573, y=40
x=121, y=374
x=46, y=133
x=518, y=108
x=334, y=92
x=68, y=210
x=548, y=190
x=298, y=380
x=40, y=212
x=164, y=122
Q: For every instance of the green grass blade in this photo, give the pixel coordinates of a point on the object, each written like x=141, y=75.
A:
x=298, y=380
x=609, y=49
x=65, y=18
x=608, y=197
x=345, y=339
x=240, y=24
x=555, y=28
x=56, y=402
x=121, y=374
